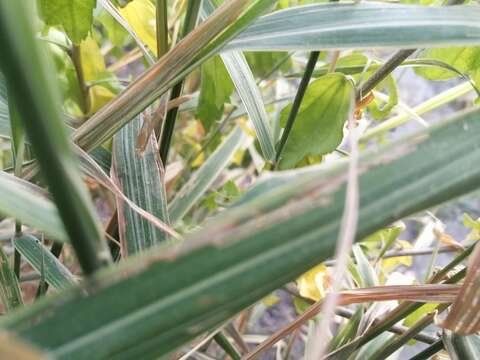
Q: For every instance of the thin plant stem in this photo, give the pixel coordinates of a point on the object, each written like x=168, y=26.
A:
x=77, y=64
x=302, y=88
x=162, y=27
x=225, y=344
x=385, y=70
x=191, y=18
x=429, y=351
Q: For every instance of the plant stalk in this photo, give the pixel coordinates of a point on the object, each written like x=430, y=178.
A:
x=191, y=18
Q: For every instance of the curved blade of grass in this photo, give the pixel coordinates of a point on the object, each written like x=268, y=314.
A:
x=41, y=259
x=141, y=177
x=249, y=251
x=30, y=80
x=361, y=26
x=203, y=178
x=461, y=347
x=247, y=89
x=202, y=43
x=28, y=203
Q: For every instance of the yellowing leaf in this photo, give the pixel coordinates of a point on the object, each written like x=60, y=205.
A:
x=93, y=63
x=99, y=96
x=390, y=264
x=318, y=128
x=474, y=225
x=314, y=283
x=140, y=15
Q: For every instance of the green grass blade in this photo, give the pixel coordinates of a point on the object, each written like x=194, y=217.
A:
x=361, y=26
x=9, y=287
x=29, y=204
x=203, y=178
x=31, y=81
x=56, y=274
x=141, y=178
x=250, y=250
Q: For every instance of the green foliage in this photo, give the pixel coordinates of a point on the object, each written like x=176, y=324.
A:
x=242, y=225
x=318, y=128
x=215, y=91
x=74, y=16
x=464, y=59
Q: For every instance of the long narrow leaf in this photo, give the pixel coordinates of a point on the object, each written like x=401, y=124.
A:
x=141, y=177
x=361, y=26
x=41, y=259
x=249, y=251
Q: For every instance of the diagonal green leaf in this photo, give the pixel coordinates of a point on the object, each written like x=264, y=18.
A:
x=28, y=203
x=249, y=251
x=203, y=178
x=141, y=178
x=361, y=26
x=41, y=259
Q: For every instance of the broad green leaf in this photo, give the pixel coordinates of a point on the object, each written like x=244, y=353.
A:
x=9, y=288
x=248, y=251
x=464, y=59
x=31, y=81
x=140, y=15
x=318, y=128
x=262, y=63
x=27, y=203
x=141, y=178
x=74, y=16
x=215, y=90
x=204, y=177
x=461, y=347
x=361, y=26
x=42, y=260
